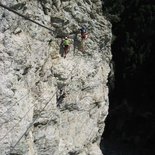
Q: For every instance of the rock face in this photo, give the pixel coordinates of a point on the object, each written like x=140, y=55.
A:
x=50, y=105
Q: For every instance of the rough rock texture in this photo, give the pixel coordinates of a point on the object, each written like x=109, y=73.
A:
x=50, y=105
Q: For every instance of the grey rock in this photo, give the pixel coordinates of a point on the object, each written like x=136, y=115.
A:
x=50, y=105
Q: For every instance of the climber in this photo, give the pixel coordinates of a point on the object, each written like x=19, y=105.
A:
x=60, y=100
x=62, y=94
x=84, y=36
x=84, y=32
x=66, y=45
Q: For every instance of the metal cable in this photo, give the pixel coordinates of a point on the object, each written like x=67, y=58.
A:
x=14, y=104
x=58, y=101
x=17, y=123
x=25, y=17
x=5, y=7
x=31, y=124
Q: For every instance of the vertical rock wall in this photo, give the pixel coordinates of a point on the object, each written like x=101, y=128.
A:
x=50, y=105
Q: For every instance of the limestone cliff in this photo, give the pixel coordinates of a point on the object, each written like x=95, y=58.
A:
x=50, y=105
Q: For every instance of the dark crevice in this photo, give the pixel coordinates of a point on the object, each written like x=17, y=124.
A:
x=130, y=125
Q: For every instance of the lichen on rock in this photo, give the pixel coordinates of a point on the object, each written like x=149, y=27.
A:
x=62, y=102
